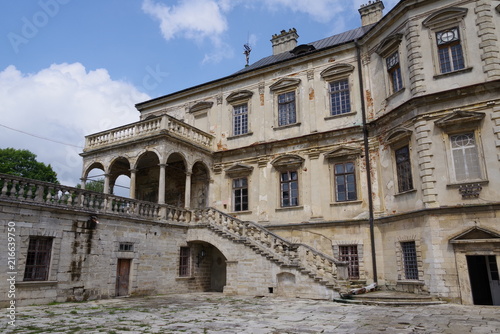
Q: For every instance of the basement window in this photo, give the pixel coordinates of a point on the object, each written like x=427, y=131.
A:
x=126, y=247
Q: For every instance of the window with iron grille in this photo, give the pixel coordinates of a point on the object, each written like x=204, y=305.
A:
x=349, y=254
x=240, y=194
x=403, y=169
x=450, y=52
x=340, y=97
x=126, y=247
x=184, y=261
x=345, y=182
x=410, y=264
x=289, y=189
x=240, y=119
x=394, y=70
x=38, y=259
x=465, y=157
x=286, y=109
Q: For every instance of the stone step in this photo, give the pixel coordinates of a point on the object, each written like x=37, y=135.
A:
x=389, y=298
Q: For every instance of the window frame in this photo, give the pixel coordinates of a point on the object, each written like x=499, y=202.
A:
x=289, y=183
x=235, y=100
x=240, y=118
x=241, y=196
x=344, y=154
x=441, y=21
x=353, y=260
x=409, y=260
x=409, y=178
x=343, y=94
x=346, y=183
x=451, y=158
x=450, y=49
x=32, y=268
x=184, y=261
x=394, y=69
x=280, y=88
x=333, y=74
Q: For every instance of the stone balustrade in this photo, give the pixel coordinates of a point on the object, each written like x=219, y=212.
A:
x=19, y=189
x=320, y=266
x=150, y=127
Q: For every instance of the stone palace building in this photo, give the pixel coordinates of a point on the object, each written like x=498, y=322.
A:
x=371, y=156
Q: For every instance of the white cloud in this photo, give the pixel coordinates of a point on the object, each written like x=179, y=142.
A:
x=192, y=19
x=62, y=103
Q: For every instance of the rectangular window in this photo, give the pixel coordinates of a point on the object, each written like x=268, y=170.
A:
x=394, y=70
x=450, y=52
x=126, y=247
x=286, y=109
x=38, y=259
x=240, y=119
x=289, y=189
x=185, y=255
x=349, y=254
x=403, y=169
x=410, y=265
x=340, y=97
x=345, y=182
x=465, y=157
x=240, y=194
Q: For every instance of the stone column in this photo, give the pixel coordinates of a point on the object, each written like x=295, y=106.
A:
x=133, y=173
x=82, y=184
x=161, y=185
x=187, y=191
x=106, y=184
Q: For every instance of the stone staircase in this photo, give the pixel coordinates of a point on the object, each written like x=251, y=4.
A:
x=321, y=268
x=390, y=298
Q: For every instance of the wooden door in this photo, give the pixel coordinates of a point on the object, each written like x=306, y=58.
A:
x=122, y=277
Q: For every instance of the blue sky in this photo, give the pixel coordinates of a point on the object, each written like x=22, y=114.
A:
x=69, y=68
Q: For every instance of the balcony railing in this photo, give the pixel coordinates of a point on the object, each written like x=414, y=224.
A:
x=19, y=189
x=147, y=128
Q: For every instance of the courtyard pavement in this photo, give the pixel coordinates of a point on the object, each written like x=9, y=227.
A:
x=216, y=313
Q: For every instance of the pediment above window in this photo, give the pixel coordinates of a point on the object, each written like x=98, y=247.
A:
x=285, y=83
x=389, y=45
x=288, y=162
x=336, y=70
x=204, y=105
x=460, y=120
x=344, y=152
x=475, y=235
x=398, y=136
x=239, y=96
x=239, y=170
x=445, y=17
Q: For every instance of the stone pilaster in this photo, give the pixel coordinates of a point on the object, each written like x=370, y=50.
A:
x=495, y=117
x=426, y=164
x=415, y=63
x=488, y=40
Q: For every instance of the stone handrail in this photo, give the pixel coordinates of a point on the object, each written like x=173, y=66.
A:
x=146, y=128
x=317, y=264
x=20, y=189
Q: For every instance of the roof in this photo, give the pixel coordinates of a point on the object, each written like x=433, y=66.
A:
x=335, y=40
x=326, y=43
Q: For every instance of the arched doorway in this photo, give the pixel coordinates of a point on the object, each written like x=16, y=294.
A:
x=147, y=177
x=208, y=265
x=175, y=180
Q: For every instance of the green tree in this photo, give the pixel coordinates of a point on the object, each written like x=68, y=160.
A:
x=23, y=163
x=94, y=185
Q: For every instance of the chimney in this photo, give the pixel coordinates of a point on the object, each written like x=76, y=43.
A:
x=285, y=41
x=371, y=12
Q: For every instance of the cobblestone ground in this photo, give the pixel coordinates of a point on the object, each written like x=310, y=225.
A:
x=216, y=313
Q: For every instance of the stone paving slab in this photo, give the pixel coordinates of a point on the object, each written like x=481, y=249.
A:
x=216, y=313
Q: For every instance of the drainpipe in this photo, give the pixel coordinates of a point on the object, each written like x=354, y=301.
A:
x=367, y=162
